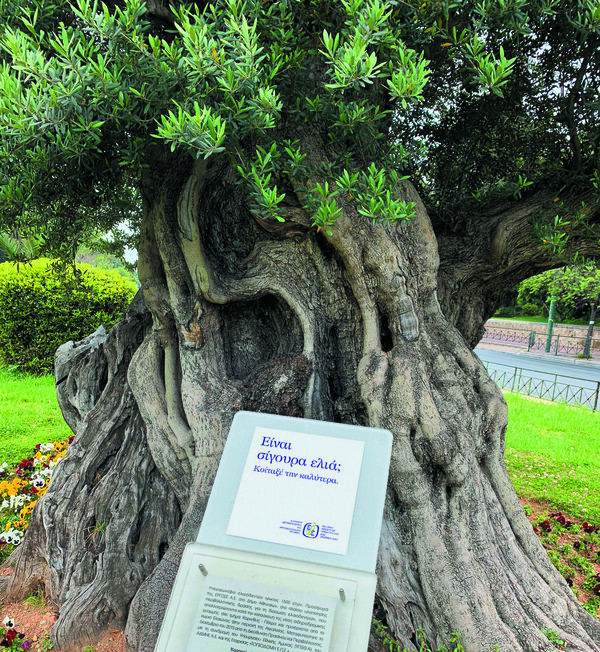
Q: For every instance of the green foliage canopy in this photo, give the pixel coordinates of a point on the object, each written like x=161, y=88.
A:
x=577, y=289
x=580, y=288
x=470, y=97
x=42, y=308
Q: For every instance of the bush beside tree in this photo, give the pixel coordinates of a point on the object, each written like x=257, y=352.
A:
x=42, y=307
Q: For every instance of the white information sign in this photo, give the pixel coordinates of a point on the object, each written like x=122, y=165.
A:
x=237, y=616
x=298, y=489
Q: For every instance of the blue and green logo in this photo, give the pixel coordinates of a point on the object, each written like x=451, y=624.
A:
x=311, y=530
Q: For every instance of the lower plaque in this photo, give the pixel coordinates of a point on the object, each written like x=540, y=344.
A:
x=238, y=616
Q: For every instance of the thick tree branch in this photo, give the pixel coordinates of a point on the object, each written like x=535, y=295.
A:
x=569, y=109
x=498, y=248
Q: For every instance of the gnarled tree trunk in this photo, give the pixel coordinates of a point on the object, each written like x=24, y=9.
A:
x=242, y=314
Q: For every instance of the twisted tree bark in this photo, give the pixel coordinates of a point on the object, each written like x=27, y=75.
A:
x=343, y=327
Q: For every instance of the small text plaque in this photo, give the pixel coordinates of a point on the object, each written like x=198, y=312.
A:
x=236, y=616
x=298, y=489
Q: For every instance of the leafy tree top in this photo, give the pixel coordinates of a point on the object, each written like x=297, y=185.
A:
x=474, y=99
x=577, y=287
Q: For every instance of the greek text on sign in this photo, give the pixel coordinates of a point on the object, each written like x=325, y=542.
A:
x=248, y=617
x=298, y=489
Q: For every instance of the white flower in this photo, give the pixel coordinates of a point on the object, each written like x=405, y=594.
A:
x=5, y=504
x=12, y=536
x=46, y=448
x=9, y=622
x=17, y=501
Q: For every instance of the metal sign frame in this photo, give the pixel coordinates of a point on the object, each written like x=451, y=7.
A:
x=344, y=584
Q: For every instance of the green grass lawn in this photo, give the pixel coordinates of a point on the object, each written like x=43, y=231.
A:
x=553, y=454
x=552, y=450
x=543, y=319
x=29, y=415
x=537, y=319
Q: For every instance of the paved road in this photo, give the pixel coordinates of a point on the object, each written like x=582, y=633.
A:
x=549, y=364
x=548, y=377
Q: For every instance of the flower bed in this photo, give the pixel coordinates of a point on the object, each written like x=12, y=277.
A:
x=21, y=488
x=574, y=549
x=573, y=546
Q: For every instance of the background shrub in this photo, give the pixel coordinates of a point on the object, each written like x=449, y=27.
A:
x=42, y=307
x=530, y=309
x=505, y=311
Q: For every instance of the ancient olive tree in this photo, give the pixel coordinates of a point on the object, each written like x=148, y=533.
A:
x=335, y=196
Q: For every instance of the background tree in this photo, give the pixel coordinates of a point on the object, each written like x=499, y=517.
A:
x=537, y=290
x=288, y=265
x=576, y=288
x=580, y=288
x=19, y=249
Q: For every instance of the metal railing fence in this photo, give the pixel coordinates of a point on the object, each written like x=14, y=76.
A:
x=544, y=385
x=573, y=345
x=516, y=336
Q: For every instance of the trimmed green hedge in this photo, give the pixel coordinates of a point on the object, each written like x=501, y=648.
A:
x=41, y=309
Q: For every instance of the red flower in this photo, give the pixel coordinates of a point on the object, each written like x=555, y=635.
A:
x=10, y=635
x=545, y=525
